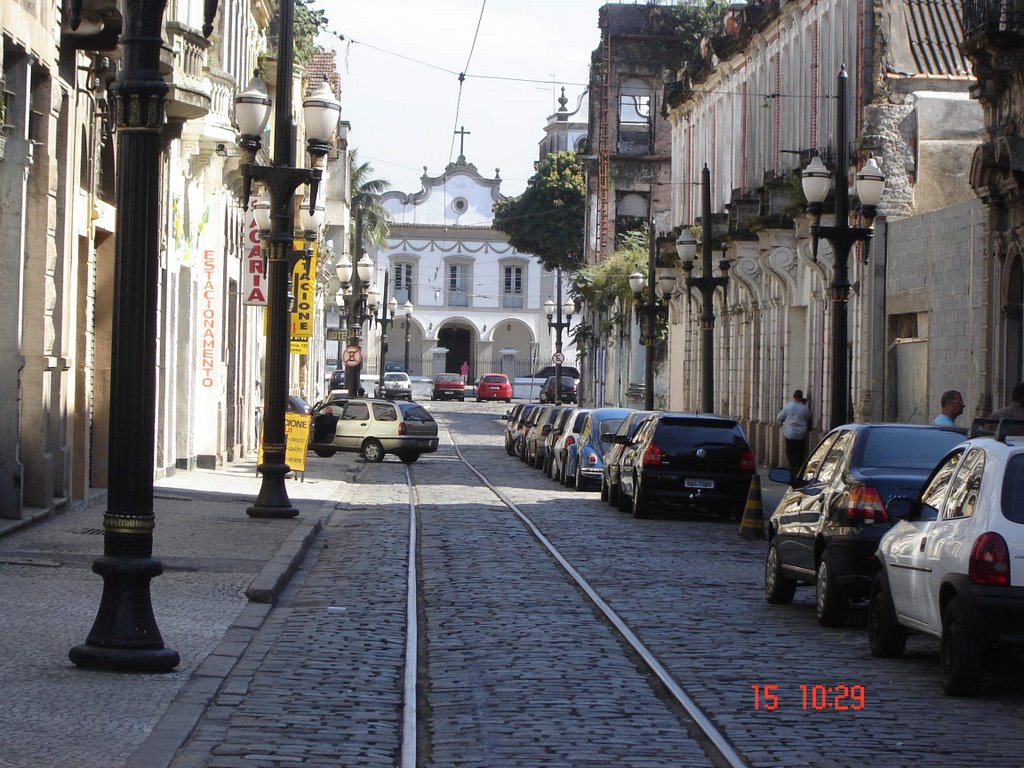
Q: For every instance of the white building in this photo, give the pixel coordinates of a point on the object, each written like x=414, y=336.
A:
x=476, y=299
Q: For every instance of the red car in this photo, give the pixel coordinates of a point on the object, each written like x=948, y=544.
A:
x=448, y=386
x=494, y=386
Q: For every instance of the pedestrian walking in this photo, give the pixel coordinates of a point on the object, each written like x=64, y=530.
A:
x=951, y=405
x=1015, y=410
x=464, y=370
x=795, y=418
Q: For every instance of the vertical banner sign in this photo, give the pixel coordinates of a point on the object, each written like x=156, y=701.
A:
x=303, y=285
x=296, y=441
x=254, y=291
x=209, y=315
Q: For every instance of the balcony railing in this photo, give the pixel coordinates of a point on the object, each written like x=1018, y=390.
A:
x=987, y=16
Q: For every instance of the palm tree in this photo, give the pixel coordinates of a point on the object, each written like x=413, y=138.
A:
x=366, y=192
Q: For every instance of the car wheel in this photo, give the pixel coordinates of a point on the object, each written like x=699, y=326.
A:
x=886, y=637
x=324, y=453
x=641, y=504
x=778, y=588
x=613, y=494
x=604, y=488
x=408, y=457
x=831, y=602
x=373, y=451
x=961, y=653
x=578, y=482
x=479, y=400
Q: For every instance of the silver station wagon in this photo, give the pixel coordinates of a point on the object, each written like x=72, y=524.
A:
x=378, y=427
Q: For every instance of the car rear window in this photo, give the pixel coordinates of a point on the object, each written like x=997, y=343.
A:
x=1013, y=489
x=449, y=377
x=907, y=448
x=610, y=426
x=415, y=412
x=495, y=380
x=676, y=434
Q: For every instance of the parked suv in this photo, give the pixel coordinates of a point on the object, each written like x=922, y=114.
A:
x=828, y=525
x=686, y=460
x=953, y=565
x=377, y=427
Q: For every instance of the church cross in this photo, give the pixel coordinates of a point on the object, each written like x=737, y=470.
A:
x=462, y=140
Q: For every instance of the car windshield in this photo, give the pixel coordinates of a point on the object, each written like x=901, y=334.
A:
x=395, y=377
x=906, y=448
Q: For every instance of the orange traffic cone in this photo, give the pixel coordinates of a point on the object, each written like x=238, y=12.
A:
x=752, y=525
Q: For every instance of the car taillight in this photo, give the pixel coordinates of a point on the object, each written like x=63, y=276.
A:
x=569, y=441
x=652, y=455
x=990, y=560
x=402, y=429
x=747, y=461
x=865, y=506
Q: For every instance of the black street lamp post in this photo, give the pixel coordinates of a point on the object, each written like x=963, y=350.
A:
x=707, y=284
x=558, y=309
x=407, y=308
x=388, y=308
x=359, y=297
x=842, y=236
x=124, y=636
x=281, y=180
x=650, y=312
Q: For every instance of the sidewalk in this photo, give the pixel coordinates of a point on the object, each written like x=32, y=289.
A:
x=222, y=572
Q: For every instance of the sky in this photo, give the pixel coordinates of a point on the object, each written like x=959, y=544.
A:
x=400, y=62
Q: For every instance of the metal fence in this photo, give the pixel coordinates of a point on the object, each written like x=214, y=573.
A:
x=992, y=16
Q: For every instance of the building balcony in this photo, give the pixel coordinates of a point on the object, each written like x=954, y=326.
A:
x=992, y=17
x=183, y=63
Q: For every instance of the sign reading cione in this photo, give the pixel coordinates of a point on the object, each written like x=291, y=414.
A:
x=253, y=280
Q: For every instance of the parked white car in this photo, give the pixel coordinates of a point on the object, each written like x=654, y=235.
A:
x=953, y=566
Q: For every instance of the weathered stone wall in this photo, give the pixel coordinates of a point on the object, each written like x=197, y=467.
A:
x=935, y=268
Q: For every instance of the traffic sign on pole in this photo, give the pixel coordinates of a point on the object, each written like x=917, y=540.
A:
x=352, y=356
x=558, y=358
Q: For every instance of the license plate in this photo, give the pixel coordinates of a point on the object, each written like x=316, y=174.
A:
x=691, y=482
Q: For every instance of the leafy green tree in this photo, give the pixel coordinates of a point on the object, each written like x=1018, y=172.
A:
x=547, y=219
x=366, y=192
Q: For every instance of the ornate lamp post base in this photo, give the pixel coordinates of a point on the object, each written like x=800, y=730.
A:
x=124, y=636
x=272, y=501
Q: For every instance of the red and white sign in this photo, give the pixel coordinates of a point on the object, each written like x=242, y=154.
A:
x=558, y=358
x=253, y=280
x=352, y=356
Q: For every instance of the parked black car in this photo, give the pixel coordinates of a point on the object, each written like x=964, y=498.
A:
x=828, y=525
x=622, y=437
x=686, y=460
x=549, y=370
x=567, y=390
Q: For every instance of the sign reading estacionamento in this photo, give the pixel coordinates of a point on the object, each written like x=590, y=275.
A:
x=296, y=441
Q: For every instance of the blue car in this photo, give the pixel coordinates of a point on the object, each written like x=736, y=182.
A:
x=596, y=436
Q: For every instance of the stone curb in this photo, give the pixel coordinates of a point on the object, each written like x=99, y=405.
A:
x=180, y=718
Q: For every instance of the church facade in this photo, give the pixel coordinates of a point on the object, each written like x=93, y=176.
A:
x=475, y=298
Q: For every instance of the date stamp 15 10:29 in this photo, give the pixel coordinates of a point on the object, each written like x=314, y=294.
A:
x=819, y=698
